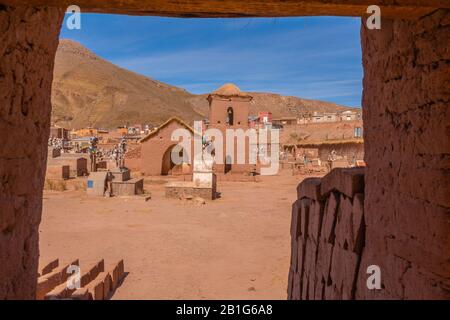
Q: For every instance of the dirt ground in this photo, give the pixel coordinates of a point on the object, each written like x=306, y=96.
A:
x=235, y=247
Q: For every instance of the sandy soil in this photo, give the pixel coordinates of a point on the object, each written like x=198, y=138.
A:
x=236, y=247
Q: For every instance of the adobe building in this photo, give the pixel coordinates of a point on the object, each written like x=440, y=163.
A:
x=59, y=133
x=153, y=155
x=229, y=109
x=401, y=196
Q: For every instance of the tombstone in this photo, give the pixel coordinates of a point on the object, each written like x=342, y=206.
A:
x=203, y=175
x=203, y=178
x=96, y=183
x=53, y=152
x=122, y=174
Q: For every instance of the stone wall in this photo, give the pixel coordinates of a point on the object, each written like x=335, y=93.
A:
x=406, y=130
x=406, y=203
x=327, y=236
x=133, y=159
x=348, y=150
x=28, y=42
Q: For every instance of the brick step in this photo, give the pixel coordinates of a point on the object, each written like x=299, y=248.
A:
x=96, y=282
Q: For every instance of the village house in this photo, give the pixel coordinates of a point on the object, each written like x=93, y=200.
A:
x=324, y=141
x=59, y=133
x=285, y=121
x=350, y=115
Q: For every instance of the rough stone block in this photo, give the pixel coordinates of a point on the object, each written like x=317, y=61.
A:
x=343, y=228
x=296, y=287
x=343, y=273
x=347, y=181
x=319, y=286
x=290, y=283
x=358, y=224
x=324, y=254
x=304, y=287
x=329, y=218
x=120, y=175
x=294, y=253
x=128, y=188
x=295, y=220
x=315, y=220
x=304, y=217
x=301, y=255
x=310, y=259
x=309, y=188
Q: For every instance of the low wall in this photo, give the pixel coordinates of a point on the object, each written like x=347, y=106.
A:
x=327, y=236
x=133, y=159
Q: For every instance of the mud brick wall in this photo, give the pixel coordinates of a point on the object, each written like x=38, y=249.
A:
x=327, y=236
x=28, y=42
x=406, y=204
x=133, y=159
x=406, y=130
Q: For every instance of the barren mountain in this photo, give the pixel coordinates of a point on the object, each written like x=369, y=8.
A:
x=90, y=91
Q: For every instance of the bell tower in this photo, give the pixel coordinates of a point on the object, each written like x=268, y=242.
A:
x=229, y=107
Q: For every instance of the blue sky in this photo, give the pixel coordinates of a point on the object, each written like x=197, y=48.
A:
x=311, y=57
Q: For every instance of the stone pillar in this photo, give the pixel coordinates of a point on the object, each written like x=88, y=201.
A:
x=28, y=42
x=406, y=131
x=203, y=173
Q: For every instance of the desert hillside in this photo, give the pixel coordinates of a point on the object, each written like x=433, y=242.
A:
x=90, y=91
